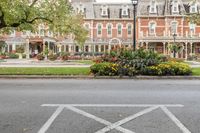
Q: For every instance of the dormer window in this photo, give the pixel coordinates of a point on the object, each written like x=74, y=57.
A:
x=81, y=9
x=125, y=10
x=193, y=8
x=152, y=7
x=175, y=6
x=104, y=11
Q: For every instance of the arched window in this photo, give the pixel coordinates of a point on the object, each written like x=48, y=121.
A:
x=174, y=27
x=129, y=29
x=152, y=28
x=109, y=29
x=119, y=29
x=99, y=29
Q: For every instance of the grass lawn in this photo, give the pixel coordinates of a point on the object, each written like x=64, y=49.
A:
x=196, y=71
x=44, y=71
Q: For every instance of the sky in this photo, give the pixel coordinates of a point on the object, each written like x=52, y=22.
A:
x=120, y=1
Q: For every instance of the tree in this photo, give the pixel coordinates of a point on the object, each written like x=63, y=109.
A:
x=26, y=15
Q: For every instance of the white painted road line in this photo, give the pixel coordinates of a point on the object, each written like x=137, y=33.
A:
x=175, y=120
x=123, y=121
x=112, y=105
x=46, y=126
x=123, y=130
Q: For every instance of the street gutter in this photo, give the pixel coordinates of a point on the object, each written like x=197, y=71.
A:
x=98, y=77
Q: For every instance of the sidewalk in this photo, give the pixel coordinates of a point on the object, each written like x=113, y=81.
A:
x=194, y=64
x=36, y=63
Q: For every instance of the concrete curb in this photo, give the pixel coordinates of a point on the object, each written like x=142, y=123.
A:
x=99, y=77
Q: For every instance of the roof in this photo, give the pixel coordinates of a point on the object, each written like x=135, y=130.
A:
x=163, y=8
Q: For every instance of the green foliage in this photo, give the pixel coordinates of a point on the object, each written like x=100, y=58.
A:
x=58, y=16
x=139, y=59
x=40, y=57
x=52, y=57
x=13, y=56
x=64, y=56
x=20, y=49
x=169, y=69
x=104, y=69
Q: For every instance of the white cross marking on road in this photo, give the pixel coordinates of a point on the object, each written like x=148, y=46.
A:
x=117, y=125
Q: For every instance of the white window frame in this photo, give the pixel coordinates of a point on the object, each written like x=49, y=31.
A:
x=41, y=28
x=109, y=24
x=193, y=6
x=119, y=35
x=175, y=5
x=13, y=33
x=104, y=11
x=192, y=27
x=154, y=29
x=97, y=27
x=127, y=26
x=172, y=32
x=153, y=5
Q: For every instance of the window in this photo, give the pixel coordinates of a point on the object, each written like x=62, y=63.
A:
x=109, y=29
x=192, y=28
x=175, y=7
x=104, y=10
x=152, y=28
x=41, y=30
x=125, y=10
x=99, y=29
x=12, y=33
x=193, y=8
x=153, y=6
x=129, y=29
x=119, y=29
x=174, y=27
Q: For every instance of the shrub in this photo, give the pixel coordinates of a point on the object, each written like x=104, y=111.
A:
x=192, y=57
x=175, y=60
x=13, y=56
x=105, y=69
x=52, y=57
x=169, y=69
x=40, y=57
x=64, y=56
x=20, y=49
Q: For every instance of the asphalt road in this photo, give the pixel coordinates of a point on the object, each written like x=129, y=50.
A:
x=99, y=106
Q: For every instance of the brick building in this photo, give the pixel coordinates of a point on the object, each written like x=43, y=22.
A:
x=111, y=25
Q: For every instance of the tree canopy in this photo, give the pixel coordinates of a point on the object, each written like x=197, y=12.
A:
x=28, y=14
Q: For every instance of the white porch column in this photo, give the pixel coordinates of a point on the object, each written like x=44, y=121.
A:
x=191, y=48
x=147, y=45
x=99, y=47
x=186, y=51
x=27, y=49
x=65, y=48
x=13, y=47
x=70, y=48
x=90, y=48
x=164, y=48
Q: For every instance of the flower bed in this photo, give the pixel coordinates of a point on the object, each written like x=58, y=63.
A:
x=125, y=62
